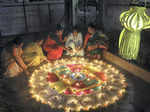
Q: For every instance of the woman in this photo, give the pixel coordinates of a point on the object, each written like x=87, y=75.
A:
x=95, y=42
x=12, y=58
x=74, y=43
x=33, y=54
x=53, y=46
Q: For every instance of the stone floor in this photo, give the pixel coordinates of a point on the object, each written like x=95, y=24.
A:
x=141, y=91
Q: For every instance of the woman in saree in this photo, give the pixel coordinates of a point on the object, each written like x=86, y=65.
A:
x=33, y=54
x=95, y=42
x=74, y=42
x=12, y=58
x=53, y=46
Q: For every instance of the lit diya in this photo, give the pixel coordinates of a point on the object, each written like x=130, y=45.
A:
x=76, y=84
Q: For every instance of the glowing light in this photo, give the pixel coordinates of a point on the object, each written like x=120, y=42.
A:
x=77, y=84
x=49, y=103
x=121, y=92
x=114, y=98
x=99, y=95
x=42, y=101
x=31, y=80
x=72, y=100
x=42, y=84
x=42, y=91
x=67, y=109
x=98, y=105
x=112, y=80
x=37, y=97
x=109, y=66
x=116, y=71
x=31, y=91
x=33, y=86
x=45, y=91
x=78, y=108
x=60, y=106
x=106, y=103
x=86, y=99
x=106, y=70
x=110, y=87
x=122, y=81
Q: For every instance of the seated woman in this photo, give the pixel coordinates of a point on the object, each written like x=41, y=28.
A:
x=74, y=43
x=95, y=42
x=53, y=46
x=33, y=54
x=12, y=58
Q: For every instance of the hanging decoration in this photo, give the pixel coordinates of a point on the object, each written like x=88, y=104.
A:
x=134, y=21
x=76, y=83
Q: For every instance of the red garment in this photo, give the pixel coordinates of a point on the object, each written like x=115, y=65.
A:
x=54, y=51
x=87, y=36
x=60, y=38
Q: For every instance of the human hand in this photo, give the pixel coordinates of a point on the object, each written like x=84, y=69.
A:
x=27, y=72
x=24, y=67
x=70, y=50
x=30, y=64
x=65, y=39
x=65, y=48
x=102, y=46
x=91, y=47
x=78, y=48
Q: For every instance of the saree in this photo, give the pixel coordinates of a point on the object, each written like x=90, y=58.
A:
x=74, y=43
x=52, y=47
x=33, y=54
x=12, y=68
x=97, y=38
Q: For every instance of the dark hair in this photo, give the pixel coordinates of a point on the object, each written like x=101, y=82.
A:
x=17, y=41
x=92, y=25
x=59, y=27
x=75, y=28
x=10, y=45
x=38, y=38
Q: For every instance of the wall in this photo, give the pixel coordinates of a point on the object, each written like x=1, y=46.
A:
x=112, y=11
x=39, y=17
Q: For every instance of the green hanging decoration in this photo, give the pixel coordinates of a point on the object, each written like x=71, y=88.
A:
x=134, y=21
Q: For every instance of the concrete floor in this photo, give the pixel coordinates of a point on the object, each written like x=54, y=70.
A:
x=141, y=93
